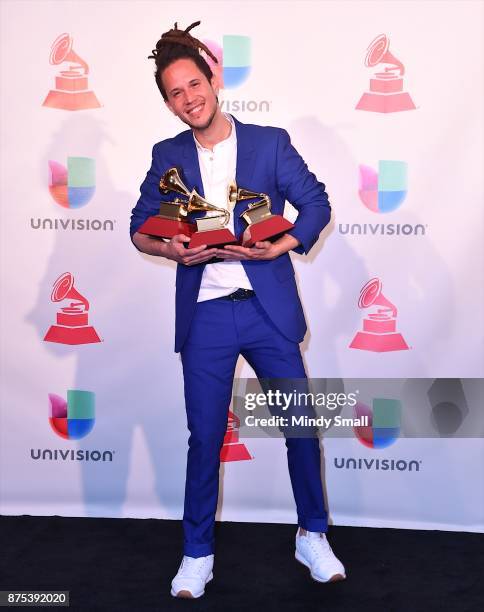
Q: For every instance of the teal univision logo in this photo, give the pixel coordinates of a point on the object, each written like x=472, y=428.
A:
x=72, y=419
x=385, y=190
x=384, y=422
x=234, y=57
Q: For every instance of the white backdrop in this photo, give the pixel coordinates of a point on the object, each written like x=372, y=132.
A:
x=307, y=74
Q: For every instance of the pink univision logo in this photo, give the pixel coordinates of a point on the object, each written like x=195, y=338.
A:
x=384, y=422
x=234, y=60
x=385, y=190
x=74, y=186
x=75, y=418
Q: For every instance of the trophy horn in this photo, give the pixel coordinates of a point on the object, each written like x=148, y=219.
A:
x=171, y=181
x=197, y=203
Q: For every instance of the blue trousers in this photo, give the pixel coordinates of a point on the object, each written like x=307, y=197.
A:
x=220, y=331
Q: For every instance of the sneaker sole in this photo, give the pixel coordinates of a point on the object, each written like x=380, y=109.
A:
x=334, y=578
x=183, y=594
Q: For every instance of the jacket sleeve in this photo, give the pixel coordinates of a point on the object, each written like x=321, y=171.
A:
x=301, y=188
x=150, y=198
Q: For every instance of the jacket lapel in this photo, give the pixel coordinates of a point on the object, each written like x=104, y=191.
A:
x=246, y=157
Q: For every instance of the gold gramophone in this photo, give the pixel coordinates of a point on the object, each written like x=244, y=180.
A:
x=173, y=216
x=261, y=223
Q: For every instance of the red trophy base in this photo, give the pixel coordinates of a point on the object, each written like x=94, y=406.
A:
x=71, y=100
x=212, y=238
x=160, y=227
x=72, y=335
x=379, y=343
x=234, y=452
x=265, y=229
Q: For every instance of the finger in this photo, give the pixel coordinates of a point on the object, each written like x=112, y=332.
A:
x=181, y=238
x=263, y=244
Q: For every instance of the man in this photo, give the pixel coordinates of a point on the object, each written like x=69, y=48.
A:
x=233, y=300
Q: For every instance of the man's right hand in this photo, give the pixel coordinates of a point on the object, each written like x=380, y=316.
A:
x=176, y=251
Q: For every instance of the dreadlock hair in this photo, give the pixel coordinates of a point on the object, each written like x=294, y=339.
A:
x=179, y=44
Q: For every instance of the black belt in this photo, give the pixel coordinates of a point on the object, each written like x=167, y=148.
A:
x=240, y=294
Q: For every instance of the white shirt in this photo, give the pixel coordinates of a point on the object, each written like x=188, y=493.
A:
x=217, y=169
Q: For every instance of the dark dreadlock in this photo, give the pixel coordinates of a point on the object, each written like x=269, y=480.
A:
x=179, y=44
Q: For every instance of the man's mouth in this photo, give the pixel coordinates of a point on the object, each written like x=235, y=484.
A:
x=195, y=110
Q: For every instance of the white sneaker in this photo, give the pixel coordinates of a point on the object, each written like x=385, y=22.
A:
x=192, y=576
x=314, y=551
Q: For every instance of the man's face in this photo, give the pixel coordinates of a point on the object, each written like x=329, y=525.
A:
x=191, y=97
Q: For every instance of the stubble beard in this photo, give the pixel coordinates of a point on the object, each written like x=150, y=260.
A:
x=206, y=125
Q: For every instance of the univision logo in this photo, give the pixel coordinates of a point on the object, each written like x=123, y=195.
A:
x=383, y=465
x=384, y=422
x=382, y=192
x=72, y=419
x=233, y=69
x=72, y=186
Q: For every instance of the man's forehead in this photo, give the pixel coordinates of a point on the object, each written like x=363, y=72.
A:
x=179, y=72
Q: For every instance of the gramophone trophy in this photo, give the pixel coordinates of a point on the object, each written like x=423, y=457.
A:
x=379, y=328
x=72, y=321
x=173, y=216
x=386, y=93
x=71, y=89
x=262, y=224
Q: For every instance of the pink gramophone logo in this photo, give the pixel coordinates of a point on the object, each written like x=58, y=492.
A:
x=71, y=88
x=379, y=328
x=232, y=449
x=72, y=321
x=386, y=93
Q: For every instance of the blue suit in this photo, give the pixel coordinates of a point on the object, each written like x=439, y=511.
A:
x=266, y=163
x=266, y=329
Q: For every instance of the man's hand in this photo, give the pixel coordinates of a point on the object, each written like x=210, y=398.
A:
x=261, y=250
x=176, y=251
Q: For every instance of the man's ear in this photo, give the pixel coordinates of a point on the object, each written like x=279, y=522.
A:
x=169, y=107
x=214, y=81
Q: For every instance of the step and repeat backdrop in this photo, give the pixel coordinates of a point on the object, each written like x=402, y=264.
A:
x=384, y=101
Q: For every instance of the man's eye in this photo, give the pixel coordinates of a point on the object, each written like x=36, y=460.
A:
x=176, y=94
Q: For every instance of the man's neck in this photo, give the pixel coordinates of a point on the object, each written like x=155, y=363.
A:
x=217, y=131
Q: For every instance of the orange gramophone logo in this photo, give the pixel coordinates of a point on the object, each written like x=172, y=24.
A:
x=380, y=327
x=386, y=93
x=232, y=449
x=71, y=87
x=72, y=325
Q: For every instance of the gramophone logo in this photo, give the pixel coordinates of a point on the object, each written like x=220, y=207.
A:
x=71, y=87
x=232, y=449
x=386, y=93
x=74, y=186
x=234, y=59
x=379, y=327
x=384, y=422
x=75, y=418
x=385, y=190
x=72, y=326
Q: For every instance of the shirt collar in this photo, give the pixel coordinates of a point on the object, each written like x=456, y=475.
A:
x=230, y=140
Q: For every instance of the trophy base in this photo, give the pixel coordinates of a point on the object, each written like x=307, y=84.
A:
x=72, y=335
x=212, y=238
x=234, y=452
x=159, y=227
x=268, y=228
x=386, y=103
x=379, y=343
x=67, y=100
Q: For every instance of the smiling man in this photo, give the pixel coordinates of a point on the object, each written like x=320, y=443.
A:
x=234, y=300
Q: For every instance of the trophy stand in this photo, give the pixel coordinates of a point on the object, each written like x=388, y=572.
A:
x=212, y=232
x=170, y=221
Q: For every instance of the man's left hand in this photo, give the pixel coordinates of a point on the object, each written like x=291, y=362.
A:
x=260, y=250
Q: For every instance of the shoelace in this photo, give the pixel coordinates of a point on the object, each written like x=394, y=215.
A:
x=191, y=565
x=320, y=547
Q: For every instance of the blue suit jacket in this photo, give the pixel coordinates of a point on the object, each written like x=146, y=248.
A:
x=267, y=163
